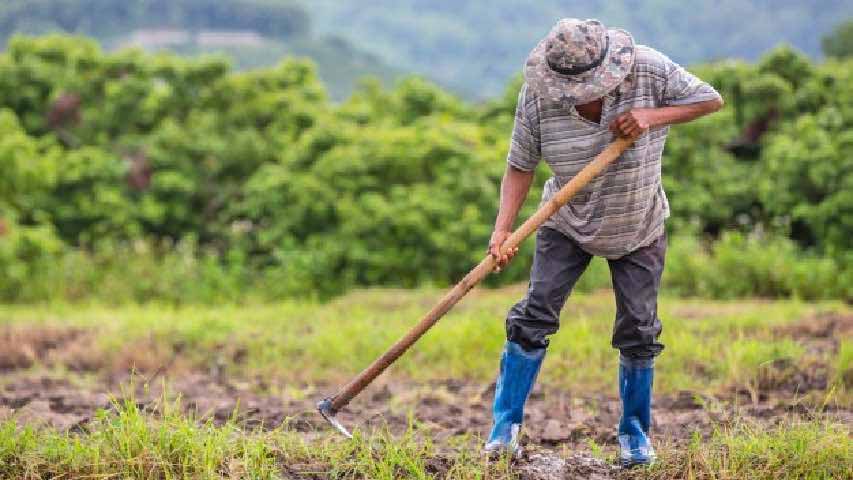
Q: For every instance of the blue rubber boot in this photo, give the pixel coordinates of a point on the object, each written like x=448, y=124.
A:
x=517, y=375
x=635, y=389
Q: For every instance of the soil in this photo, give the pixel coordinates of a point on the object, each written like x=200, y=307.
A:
x=559, y=426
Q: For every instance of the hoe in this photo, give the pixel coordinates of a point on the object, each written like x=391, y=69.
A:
x=330, y=406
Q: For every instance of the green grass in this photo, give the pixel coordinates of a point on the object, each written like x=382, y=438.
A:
x=131, y=444
x=844, y=363
x=127, y=443
x=812, y=450
x=709, y=345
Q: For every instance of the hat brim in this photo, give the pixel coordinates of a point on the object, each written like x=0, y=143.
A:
x=587, y=86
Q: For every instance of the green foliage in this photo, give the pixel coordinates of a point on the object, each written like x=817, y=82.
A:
x=708, y=188
x=789, y=65
x=27, y=164
x=28, y=256
x=795, y=118
x=196, y=179
x=839, y=42
x=739, y=265
x=808, y=180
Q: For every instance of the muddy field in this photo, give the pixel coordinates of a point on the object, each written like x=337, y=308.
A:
x=51, y=378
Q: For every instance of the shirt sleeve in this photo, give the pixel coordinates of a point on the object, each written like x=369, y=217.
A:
x=682, y=87
x=525, y=149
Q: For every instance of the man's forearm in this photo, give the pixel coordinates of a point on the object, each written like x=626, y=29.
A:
x=634, y=122
x=683, y=113
x=514, y=188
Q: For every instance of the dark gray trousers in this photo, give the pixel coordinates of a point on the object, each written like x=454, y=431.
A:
x=557, y=265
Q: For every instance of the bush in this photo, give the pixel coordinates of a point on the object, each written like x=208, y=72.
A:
x=37, y=266
x=139, y=177
x=28, y=257
x=741, y=265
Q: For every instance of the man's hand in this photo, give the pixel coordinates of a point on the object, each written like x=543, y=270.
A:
x=514, y=188
x=498, y=239
x=634, y=122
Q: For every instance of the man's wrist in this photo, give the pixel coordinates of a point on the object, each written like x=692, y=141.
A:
x=657, y=117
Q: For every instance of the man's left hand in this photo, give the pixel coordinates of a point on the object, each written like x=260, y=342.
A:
x=633, y=123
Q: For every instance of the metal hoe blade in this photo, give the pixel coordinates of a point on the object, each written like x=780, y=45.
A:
x=326, y=410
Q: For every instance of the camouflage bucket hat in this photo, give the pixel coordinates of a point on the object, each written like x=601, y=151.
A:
x=579, y=61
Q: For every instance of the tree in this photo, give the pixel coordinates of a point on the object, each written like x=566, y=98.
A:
x=839, y=43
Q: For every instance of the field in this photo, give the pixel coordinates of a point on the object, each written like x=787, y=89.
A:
x=744, y=389
x=191, y=256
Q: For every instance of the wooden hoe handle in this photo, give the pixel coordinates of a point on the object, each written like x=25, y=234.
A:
x=486, y=266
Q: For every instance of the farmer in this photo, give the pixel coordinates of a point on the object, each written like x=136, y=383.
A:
x=584, y=85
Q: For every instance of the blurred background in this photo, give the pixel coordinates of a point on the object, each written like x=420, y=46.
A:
x=196, y=151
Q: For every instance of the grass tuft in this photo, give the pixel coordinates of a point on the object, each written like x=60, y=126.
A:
x=127, y=442
x=806, y=450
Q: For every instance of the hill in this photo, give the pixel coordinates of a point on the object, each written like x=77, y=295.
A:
x=474, y=47
x=252, y=33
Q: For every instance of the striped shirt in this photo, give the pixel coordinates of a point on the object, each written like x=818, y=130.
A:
x=624, y=208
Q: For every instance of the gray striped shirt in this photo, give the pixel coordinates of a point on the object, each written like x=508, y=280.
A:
x=625, y=207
